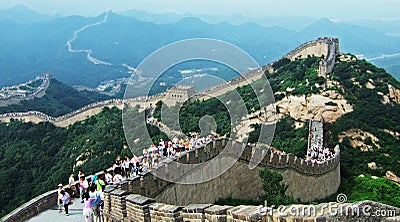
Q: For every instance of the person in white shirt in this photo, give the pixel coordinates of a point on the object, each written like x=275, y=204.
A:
x=83, y=187
x=117, y=178
x=72, y=186
x=125, y=166
x=65, y=201
x=71, y=180
x=59, y=196
x=107, y=177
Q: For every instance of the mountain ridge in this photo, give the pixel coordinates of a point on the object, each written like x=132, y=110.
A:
x=93, y=143
x=39, y=46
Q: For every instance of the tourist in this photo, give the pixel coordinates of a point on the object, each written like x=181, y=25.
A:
x=118, y=164
x=96, y=196
x=80, y=174
x=65, y=201
x=71, y=180
x=83, y=186
x=100, y=183
x=93, y=178
x=193, y=141
x=125, y=166
x=187, y=144
x=132, y=165
x=87, y=209
x=117, y=177
x=145, y=164
x=74, y=187
x=107, y=177
x=59, y=196
x=139, y=167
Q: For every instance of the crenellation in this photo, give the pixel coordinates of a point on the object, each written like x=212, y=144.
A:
x=327, y=48
x=243, y=183
x=160, y=212
x=216, y=213
x=107, y=198
x=194, y=212
x=118, y=204
x=137, y=208
x=244, y=213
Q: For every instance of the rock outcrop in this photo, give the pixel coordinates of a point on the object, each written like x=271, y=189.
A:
x=393, y=177
x=330, y=105
x=394, y=94
x=358, y=139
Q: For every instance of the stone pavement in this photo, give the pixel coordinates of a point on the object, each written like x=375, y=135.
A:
x=52, y=215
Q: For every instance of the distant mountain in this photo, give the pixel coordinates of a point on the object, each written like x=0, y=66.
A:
x=162, y=18
x=356, y=39
x=58, y=100
x=103, y=45
x=392, y=65
x=389, y=27
x=22, y=14
x=295, y=23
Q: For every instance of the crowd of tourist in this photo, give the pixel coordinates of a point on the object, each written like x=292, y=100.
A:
x=90, y=189
x=155, y=154
x=316, y=152
x=29, y=113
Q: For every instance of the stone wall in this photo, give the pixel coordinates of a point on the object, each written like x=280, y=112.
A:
x=33, y=207
x=322, y=47
x=17, y=100
x=306, y=181
x=140, y=208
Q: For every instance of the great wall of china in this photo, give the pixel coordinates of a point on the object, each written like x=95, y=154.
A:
x=306, y=181
x=39, y=92
x=148, y=198
x=327, y=48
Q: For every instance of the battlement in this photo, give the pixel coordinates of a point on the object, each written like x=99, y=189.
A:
x=295, y=53
x=326, y=47
x=123, y=206
x=306, y=182
x=245, y=182
x=178, y=94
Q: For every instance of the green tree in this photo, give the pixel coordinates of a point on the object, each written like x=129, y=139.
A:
x=274, y=188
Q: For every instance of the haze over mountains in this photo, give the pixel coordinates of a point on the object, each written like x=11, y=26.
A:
x=110, y=45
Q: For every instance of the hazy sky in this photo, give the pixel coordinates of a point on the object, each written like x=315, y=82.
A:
x=334, y=9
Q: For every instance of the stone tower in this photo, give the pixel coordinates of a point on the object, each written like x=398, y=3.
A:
x=178, y=94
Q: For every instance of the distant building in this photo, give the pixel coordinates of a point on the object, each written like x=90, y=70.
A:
x=178, y=94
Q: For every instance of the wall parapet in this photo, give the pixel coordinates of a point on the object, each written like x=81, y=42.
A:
x=149, y=185
x=158, y=212
x=33, y=207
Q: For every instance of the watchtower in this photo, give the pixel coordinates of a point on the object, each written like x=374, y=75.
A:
x=179, y=94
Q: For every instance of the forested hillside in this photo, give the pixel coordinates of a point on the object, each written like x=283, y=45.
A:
x=374, y=117
x=58, y=100
x=35, y=158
